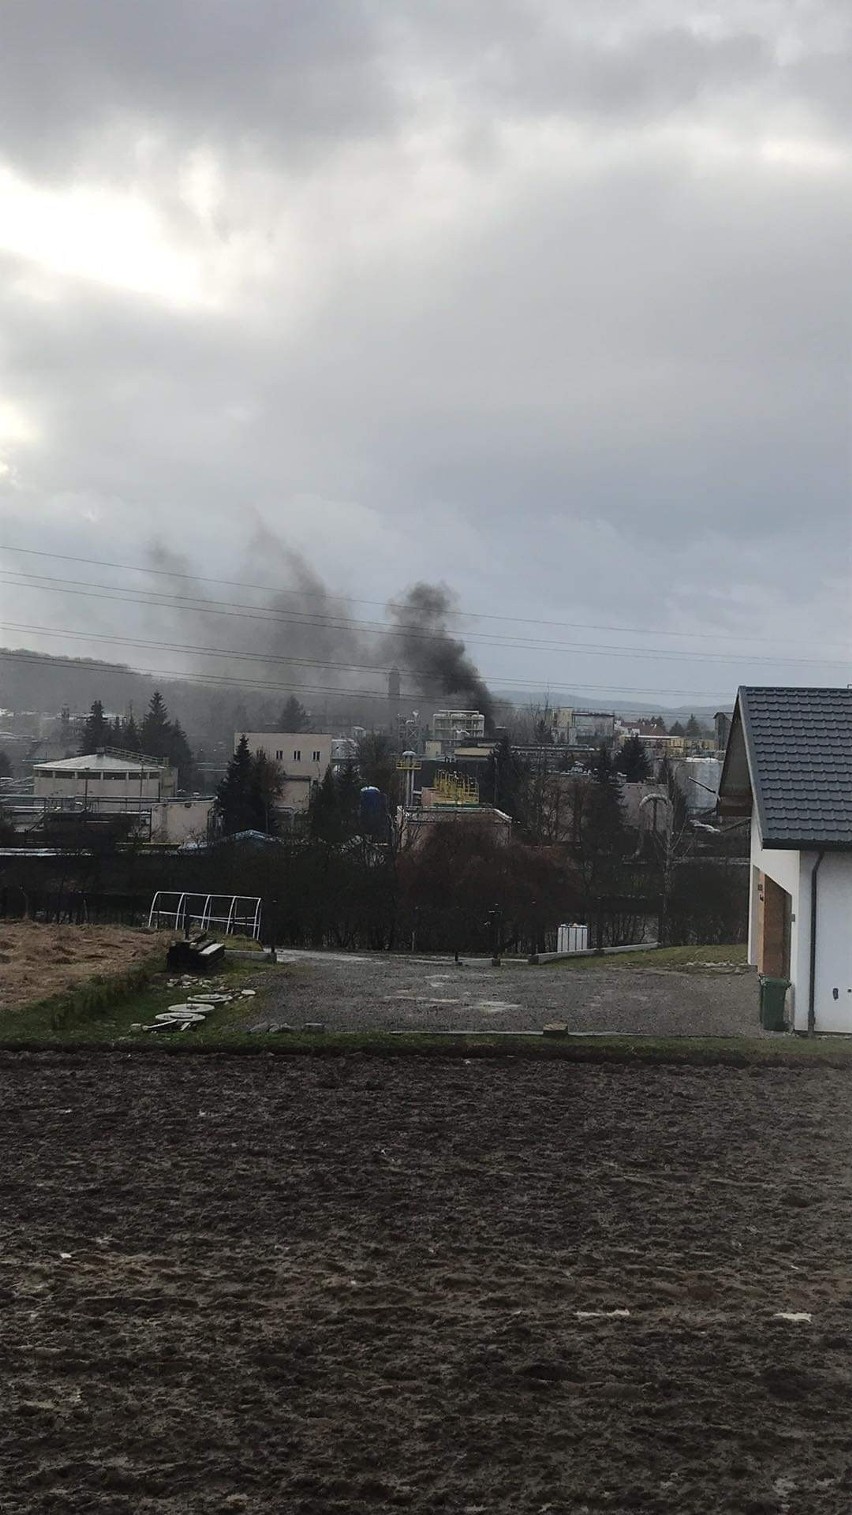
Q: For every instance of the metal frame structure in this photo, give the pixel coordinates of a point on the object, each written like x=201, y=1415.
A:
x=239, y=914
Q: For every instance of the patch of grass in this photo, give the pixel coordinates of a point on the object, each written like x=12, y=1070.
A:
x=244, y=944
x=679, y=959
x=103, y=1010
x=742, y=1052
x=225, y=1034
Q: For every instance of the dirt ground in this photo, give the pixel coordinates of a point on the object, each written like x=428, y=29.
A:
x=381, y=992
x=39, y=960
x=332, y=1287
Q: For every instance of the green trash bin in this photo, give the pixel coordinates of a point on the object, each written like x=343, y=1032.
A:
x=773, y=995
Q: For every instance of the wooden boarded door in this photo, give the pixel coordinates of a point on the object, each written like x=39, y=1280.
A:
x=774, y=921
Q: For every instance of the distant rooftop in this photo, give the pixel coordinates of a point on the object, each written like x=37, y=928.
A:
x=100, y=762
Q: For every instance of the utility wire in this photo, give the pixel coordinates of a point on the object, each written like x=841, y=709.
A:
x=156, y=599
x=477, y=615
x=260, y=657
x=240, y=682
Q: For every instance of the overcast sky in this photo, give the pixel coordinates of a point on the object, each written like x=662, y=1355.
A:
x=548, y=301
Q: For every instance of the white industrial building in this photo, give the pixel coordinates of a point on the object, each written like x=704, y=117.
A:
x=788, y=767
x=104, y=776
x=116, y=784
x=450, y=728
x=302, y=757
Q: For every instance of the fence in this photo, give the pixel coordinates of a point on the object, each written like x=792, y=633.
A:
x=233, y=914
x=72, y=906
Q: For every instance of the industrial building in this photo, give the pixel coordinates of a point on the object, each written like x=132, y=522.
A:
x=450, y=728
x=110, y=786
x=302, y=758
x=453, y=800
x=108, y=775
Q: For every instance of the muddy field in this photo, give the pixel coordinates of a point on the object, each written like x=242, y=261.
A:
x=38, y=960
x=374, y=991
x=258, y=1284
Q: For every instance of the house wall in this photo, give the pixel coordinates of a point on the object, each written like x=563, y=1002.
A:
x=793, y=871
x=784, y=868
x=833, y=997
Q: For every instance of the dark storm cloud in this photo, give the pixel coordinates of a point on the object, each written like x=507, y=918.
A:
x=256, y=72
x=271, y=78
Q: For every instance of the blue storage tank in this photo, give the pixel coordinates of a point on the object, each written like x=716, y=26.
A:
x=373, y=810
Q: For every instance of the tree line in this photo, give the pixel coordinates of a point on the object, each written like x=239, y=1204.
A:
x=156, y=735
x=573, y=854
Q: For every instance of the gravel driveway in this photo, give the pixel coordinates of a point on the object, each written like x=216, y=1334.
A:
x=376, y=992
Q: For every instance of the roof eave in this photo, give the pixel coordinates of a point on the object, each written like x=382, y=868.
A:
x=805, y=844
x=751, y=759
x=736, y=801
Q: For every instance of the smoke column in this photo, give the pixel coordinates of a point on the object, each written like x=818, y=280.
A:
x=322, y=627
x=434, y=657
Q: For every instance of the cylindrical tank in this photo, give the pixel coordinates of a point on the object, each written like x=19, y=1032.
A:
x=701, y=782
x=373, y=811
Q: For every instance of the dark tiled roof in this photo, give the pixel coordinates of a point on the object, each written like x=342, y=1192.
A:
x=799, y=744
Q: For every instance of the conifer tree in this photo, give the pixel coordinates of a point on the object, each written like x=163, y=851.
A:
x=155, y=731
x=234, y=800
x=333, y=811
x=96, y=732
x=179, y=754
x=130, y=734
x=602, y=767
x=633, y=761
x=246, y=796
x=294, y=716
x=265, y=789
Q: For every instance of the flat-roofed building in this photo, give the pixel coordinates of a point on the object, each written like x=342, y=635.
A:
x=121, y=779
x=302, y=757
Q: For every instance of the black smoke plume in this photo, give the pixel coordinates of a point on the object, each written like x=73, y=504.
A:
x=436, y=659
x=295, y=632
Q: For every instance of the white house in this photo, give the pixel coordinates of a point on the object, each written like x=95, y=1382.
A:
x=788, y=766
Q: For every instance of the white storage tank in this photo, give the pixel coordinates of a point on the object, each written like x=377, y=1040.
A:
x=699, y=782
x=572, y=938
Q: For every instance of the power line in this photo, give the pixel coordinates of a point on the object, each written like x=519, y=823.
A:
x=207, y=678
x=385, y=605
x=255, y=657
x=242, y=683
x=206, y=652
x=233, y=609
